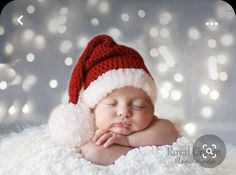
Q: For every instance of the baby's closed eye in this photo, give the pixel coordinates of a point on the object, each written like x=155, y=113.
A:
x=111, y=102
x=138, y=104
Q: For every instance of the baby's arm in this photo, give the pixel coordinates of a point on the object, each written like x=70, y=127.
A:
x=160, y=132
x=100, y=155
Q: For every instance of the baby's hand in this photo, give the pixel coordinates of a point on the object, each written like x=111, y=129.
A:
x=108, y=138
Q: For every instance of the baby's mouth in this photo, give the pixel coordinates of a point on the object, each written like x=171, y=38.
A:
x=122, y=124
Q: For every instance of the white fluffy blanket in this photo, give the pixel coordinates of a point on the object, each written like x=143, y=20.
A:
x=31, y=152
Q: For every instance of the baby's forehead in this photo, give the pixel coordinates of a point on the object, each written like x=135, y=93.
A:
x=129, y=91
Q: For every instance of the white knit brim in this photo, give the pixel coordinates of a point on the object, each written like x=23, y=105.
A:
x=118, y=78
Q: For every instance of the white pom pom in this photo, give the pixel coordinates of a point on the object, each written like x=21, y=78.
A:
x=71, y=125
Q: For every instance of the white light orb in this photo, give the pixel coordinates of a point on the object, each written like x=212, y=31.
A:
x=207, y=112
x=104, y=7
x=1, y=30
x=153, y=52
x=82, y=42
x=30, y=57
x=26, y=109
x=165, y=18
x=153, y=32
x=61, y=20
x=40, y=42
x=190, y=128
x=9, y=48
x=221, y=59
x=141, y=13
x=125, y=17
x=28, y=34
x=3, y=85
x=53, y=25
x=211, y=43
x=164, y=93
x=28, y=83
x=165, y=33
x=114, y=32
x=176, y=94
x=223, y=76
x=65, y=46
x=53, y=84
x=193, y=33
x=167, y=85
x=227, y=40
x=30, y=9
x=162, y=49
x=204, y=89
x=94, y=22
x=64, y=11
x=68, y=61
x=162, y=67
x=178, y=77
x=11, y=72
x=62, y=29
x=12, y=110
x=214, y=94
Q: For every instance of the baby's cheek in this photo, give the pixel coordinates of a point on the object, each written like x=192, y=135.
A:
x=103, y=121
x=143, y=120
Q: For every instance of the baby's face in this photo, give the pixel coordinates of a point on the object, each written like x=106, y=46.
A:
x=124, y=111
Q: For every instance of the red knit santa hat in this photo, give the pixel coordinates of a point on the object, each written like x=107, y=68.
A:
x=103, y=66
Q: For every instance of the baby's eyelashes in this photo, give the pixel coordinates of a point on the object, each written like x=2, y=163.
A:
x=110, y=102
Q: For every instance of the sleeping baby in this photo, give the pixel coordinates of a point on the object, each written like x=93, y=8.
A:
x=125, y=120
x=114, y=84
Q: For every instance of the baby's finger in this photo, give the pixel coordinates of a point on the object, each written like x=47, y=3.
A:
x=98, y=134
x=109, y=142
x=103, y=138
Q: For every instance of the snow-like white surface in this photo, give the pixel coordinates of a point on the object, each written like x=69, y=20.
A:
x=32, y=152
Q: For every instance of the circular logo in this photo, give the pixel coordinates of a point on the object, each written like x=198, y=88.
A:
x=209, y=151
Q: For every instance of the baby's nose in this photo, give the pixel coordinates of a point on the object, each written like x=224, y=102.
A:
x=124, y=112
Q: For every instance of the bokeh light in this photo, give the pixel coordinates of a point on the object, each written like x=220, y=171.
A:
x=176, y=94
x=227, y=40
x=82, y=42
x=53, y=83
x=211, y=43
x=190, y=128
x=178, y=77
x=214, y=94
x=125, y=17
x=3, y=85
x=194, y=33
x=153, y=52
x=207, y=112
x=141, y=13
x=30, y=57
x=205, y=89
x=30, y=9
x=68, y=61
x=153, y=32
x=165, y=18
x=104, y=7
